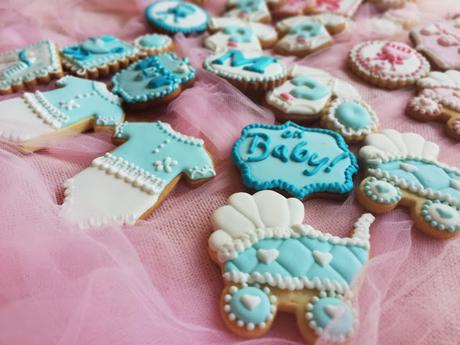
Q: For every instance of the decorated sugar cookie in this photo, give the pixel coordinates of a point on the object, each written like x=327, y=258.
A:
x=304, y=35
x=387, y=64
x=249, y=10
x=26, y=67
x=386, y=4
x=98, y=57
x=130, y=182
x=247, y=70
x=300, y=161
x=234, y=33
x=271, y=261
x=291, y=8
x=153, y=44
x=32, y=120
x=403, y=169
x=439, y=42
x=154, y=80
x=438, y=99
x=344, y=7
x=173, y=16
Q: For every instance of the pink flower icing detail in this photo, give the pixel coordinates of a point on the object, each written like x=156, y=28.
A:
x=394, y=54
x=330, y=5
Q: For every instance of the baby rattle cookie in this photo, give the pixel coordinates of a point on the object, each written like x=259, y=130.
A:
x=303, y=35
x=153, y=44
x=247, y=70
x=439, y=42
x=98, y=57
x=386, y=64
x=130, y=182
x=249, y=10
x=300, y=161
x=174, y=16
x=24, y=68
x=32, y=120
x=438, y=99
x=231, y=33
x=271, y=261
x=403, y=169
x=155, y=80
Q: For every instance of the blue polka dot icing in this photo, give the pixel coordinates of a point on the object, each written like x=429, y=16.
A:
x=153, y=43
x=153, y=78
x=175, y=16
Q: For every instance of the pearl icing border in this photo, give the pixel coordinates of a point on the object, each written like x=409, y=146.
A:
x=380, y=199
x=429, y=219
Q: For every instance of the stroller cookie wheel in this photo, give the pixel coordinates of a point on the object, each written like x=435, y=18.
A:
x=331, y=316
x=441, y=216
x=378, y=195
x=250, y=306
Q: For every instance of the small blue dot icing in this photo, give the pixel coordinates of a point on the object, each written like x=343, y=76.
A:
x=98, y=51
x=239, y=34
x=324, y=313
x=153, y=41
x=152, y=78
x=307, y=30
x=295, y=159
x=353, y=115
x=177, y=16
x=308, y=88
x=243, y=312
x=237, y=58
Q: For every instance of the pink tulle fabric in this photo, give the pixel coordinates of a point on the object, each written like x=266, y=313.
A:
x=154, y=283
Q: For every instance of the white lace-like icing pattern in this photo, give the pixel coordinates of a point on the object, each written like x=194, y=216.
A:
x=45, y=110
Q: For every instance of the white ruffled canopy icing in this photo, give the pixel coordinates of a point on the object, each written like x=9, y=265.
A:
x=449, y=78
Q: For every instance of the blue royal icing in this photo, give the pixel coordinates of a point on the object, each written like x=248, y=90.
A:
x=177, y=16
x=353, y=115
x=237, y=58
x=244, y=312
x=152, y=78
x=98, y=51
x=249, y=6
x=308, y=88
x=153, y=41
x=239, y=34
x=333, y=314
x=307, y=30
x=298, y=160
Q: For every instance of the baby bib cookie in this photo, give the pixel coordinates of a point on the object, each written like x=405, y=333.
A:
x=130, y=182
x=300, y=161
x=32, y=120
x=234, y=33
x=272, y=262
x=98, y=57
x=439, y=42
x=303, y=35
x=173, y=16
x=247, y=70
x=153, y=44
x=249, y=10
x=389, y=65
x=403, y=169
x=155, y=80
x=438, y=100
x=24, y=68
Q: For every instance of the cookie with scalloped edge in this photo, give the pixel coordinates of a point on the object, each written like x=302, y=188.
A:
x=403, y=169
x=303, y=35
x=25, y=68
x=438, y=100
x=154, y=44
x=272, y=262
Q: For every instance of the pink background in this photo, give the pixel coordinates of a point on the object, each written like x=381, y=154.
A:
x=154, y=283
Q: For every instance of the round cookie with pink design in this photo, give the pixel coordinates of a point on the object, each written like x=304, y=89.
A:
x=438, y=100
x=439, y=42
x=387, y=64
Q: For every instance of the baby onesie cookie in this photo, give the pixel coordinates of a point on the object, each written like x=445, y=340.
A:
x=300, y=161
x=247, y=70
x=249, y=10
x=154, y=80
x=32, y=120
x=236, y=33
x=271, y=261
x=130, y=182
x=173, y=16
x=439, y=42
x=292, y=8
x=98, y=57
x=403, y=169
x=389, y=65
x=153, y=44
x=304, y=35
x=438, y=100
x=26, y=67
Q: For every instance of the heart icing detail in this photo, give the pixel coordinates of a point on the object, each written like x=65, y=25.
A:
x=331, y=310
x=322, y=258
x=267, y=256
x=444, y=213
x=250, y=301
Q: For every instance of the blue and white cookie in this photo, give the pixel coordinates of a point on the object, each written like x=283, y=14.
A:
x=173, y=16
x=26, y=67
x=153, y=44
x=300, y=161
x=154, y=80
x=99, y=56
x=249, y=10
